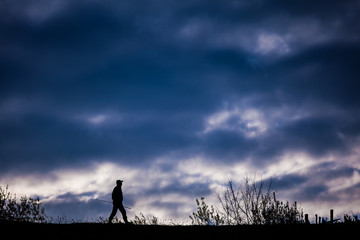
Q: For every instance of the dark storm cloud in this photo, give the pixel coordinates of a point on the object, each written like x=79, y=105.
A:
x=192, y=190
x=313, y=193
x=326, y=73
x=287, y=182
x=227, y=145
x=333, y=171
x=49, y=142
x=61, y=48
x=318, y=136
x=323, y=73
x=164, y=67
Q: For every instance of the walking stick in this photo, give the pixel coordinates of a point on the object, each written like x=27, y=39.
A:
x=100, y=200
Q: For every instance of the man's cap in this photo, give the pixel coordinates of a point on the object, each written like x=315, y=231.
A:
x=119, y=181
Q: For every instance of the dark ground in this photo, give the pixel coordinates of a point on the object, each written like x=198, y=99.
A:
x=120, y=231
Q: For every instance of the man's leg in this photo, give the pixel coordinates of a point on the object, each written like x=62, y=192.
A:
x=113, y=213
x=123, y=212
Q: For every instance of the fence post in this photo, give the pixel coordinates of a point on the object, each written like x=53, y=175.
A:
x=307, y=219
x=331, y=215
x=316, y=219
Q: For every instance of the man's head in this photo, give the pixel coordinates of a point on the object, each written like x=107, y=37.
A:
x=119, y=182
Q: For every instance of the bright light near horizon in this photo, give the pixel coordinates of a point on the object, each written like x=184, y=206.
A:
x=148, y=186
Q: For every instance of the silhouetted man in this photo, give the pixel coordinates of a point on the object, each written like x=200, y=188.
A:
x=117, y=198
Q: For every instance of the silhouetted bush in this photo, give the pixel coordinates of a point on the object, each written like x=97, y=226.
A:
x=142, y=220
x=251, y=203
x=354, y=219
x=27, y=210
x=206, y=215
x=277, y=212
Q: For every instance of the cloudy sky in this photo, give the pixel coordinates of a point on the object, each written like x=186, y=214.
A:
x=177, y=97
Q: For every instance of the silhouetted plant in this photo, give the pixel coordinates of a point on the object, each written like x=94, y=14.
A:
x=354, y=219
x=62, y=220
x=277, y=212
x=27, y=210
x=251, y=203
x=142, y=220
x=206, y=215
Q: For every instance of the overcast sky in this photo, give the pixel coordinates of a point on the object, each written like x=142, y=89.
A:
x=175, y=98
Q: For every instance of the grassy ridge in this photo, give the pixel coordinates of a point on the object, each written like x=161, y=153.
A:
x=103, y=231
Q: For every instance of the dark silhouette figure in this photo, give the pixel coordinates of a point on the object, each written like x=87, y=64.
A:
x=117, y=198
